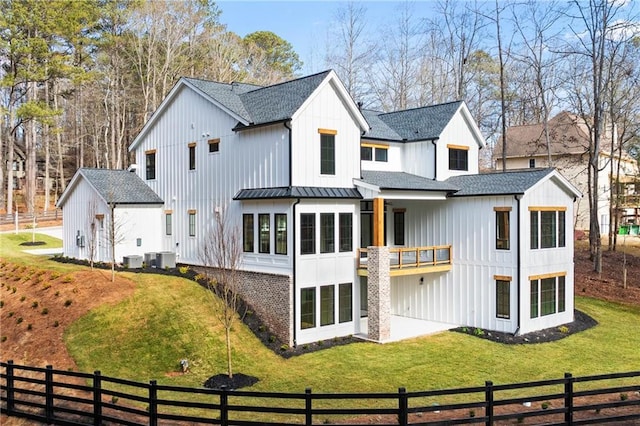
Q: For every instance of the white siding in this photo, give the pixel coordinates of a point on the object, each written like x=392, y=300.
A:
x=457, y=132
x=418, y=158
x=395, y=158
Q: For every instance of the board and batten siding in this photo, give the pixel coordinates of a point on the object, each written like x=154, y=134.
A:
x=456, y=132
x=255, y=158
x=466, y=294
x=418, y=158
x=394, y=156
x=324, y=110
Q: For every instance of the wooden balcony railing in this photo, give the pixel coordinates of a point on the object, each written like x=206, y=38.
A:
x=403, y=258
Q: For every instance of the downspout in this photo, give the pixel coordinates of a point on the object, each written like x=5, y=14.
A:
x=290, y=153
x=519, y=263
x=435, y=159
x=295, y=204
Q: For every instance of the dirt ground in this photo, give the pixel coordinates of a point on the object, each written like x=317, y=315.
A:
x=37, y=305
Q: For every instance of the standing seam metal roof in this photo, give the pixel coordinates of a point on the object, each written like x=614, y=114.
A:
x=297, y=192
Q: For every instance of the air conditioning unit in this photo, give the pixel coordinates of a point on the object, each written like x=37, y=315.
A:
x=150, y=259
x=132, y=262
x=165, y=259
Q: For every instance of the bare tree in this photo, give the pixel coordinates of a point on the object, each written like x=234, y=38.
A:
x=92, y=238
x=221, y=254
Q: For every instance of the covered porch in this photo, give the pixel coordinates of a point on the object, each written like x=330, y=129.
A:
x=403, y=328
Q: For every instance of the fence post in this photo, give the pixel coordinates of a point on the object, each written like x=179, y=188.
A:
x=568, y=399
x=97, y=398
x=48, y=389
x=403, y=407
x=488, y=397
x=224, y=402
x=153, y=403
x=308, y=411
x=11, y=402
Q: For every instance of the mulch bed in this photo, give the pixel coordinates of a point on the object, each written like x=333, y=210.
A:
x=238, y=381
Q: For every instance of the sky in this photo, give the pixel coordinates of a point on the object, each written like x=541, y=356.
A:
x=302, y=23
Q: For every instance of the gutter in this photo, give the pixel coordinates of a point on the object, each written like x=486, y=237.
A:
x=285, y=123
x=518, y=264
x=435, y=159
x=295, y=204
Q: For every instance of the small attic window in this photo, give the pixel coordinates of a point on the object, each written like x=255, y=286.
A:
x=214, y=145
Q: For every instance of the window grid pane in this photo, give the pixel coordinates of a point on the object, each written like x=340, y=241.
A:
x=327, y=232
x=548, y=296
x=281, y=233
x=192, y=224
x=381, y=154
x=503, y=300
x=307, y=233
x=561, y=229
x=167, y=224
x=534, y=299
x=398, y=228
x=327, y=155
x=534, y=229
x=502, y=230
x=458, y=159
x=345, y=302
x=561, y=294
x=247, y=232
x=327, y=305
x=265, y=233
x=308, y=308
x=192, y=158
x=548, y=229
x=151, y=165
x=346, y=232
x=366, y=153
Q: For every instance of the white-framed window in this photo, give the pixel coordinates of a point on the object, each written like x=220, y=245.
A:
x=548, y=294
x=548, y=227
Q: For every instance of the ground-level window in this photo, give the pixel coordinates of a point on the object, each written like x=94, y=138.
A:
x=264, y=226
x=346, y=232
x=398, y=227
x=168, y=223
x=281, y=233
x=247, y=232
x=307, y=233
x=548, y=294
x=458, y=157
x=308, y=308
x=547, y=227
x=345, y=302
x=150, y=164
x=327, y=232
x=192, y=223
x=502, y=227
x=503, y=299
x=364, y=298
x=327, y=305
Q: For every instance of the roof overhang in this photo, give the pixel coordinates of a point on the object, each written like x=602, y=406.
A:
x=295, y=192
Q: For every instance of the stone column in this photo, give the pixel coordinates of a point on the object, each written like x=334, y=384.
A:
x=379, y=294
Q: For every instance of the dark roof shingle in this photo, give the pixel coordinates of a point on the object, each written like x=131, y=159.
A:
x=405, y=181
x=120, y=186
x=497, y=183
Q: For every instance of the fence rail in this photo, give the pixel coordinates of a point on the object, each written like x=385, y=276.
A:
x=55, y=214
x=71, y=398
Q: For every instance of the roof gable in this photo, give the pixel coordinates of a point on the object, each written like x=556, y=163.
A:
x=421, y=123
x=114, y=186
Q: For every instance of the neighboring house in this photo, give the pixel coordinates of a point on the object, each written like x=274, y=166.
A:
x=354, y=220
x=569, y=135
x=87, y=204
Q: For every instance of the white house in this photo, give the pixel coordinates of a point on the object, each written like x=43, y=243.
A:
x=87, y=204
x=354, y=219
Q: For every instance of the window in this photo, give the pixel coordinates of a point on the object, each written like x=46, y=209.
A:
x=167, y=224
x=458, y=157
x=503, y=299
x=366, y=153
x=192, y=156
x=398, y=227
x=308, y=308
x=327, y=234
x=307, y=233
x=327, y=153
x=346, y=232
x=502, y=227
x=548, y=295
x=247, y=232
x=281, y=233
x=548, y=227
x=214, y=145
x=532, y=163
x=150, y=157
x=327, y=305
x=381, y=154
x=264, y=226
x=192, y=223
x=345, y=302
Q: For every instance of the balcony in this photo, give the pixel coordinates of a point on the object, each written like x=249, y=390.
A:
x=412, y=260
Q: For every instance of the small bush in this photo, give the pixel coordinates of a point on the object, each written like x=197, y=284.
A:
x=563, y=329
x=68, y=279
x=10, y=314
x=114, y=399
x=545, y=405
x=472, y=413
x=272, y=338
x=478, y=332
x=22, y=298
x=34, y=304
x=183, y=270
x=44, y=311
x=57, y=293
x=29, y=327
x=4, y=338
x=55, y=275
x=56, y=323
x=68, y=302
x=46, y=286
x=13, y=290
x=624, y=397
x=1, y=303
x=19, y=320
x=284, y=348
x=261, y=328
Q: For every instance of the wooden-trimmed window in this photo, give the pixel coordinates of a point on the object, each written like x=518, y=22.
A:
x=327, y=151
x=374, y=151
x=192, y=223
x=214, y=145
x=192, y=156
x=398, y=227
x=503, y=296
x=150, y=164
x=548, y=294
x=502, y=227
x=548, y=227
x=458, y=157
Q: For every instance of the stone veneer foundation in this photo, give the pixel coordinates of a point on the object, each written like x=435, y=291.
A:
x=379, y=294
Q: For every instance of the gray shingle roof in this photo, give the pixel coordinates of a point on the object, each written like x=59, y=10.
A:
x=120, y=186
x=405, y=181
x=297, y=192
x=378, y=128
x=497, y=183
x=260, y=105
x=413, y=124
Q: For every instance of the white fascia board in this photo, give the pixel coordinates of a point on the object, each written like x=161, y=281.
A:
x=167, y=100
x=332, y=78
x=561, y=181
x=413, y=195
x=468, y=118
x=68, y=189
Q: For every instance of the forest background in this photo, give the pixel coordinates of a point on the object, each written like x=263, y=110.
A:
x=79, y=78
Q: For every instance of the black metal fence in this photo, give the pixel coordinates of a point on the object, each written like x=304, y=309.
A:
x=72, y=398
